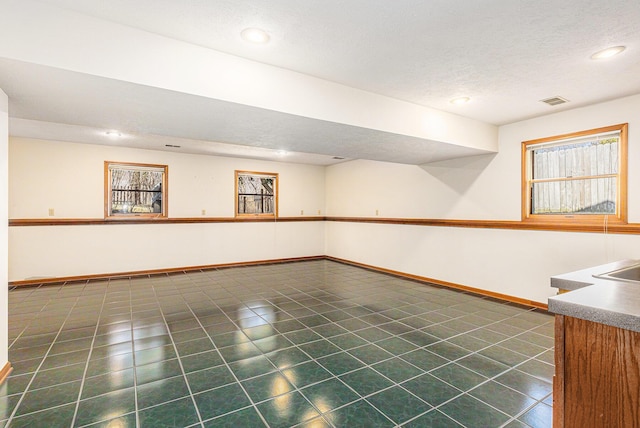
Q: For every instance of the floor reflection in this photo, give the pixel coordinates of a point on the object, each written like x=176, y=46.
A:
x=306, y=344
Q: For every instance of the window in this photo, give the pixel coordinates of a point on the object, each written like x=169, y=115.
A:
x=580, y=177
x=256, y=194
x=135, y=190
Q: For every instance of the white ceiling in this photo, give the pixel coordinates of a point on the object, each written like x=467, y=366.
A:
x=506, y=55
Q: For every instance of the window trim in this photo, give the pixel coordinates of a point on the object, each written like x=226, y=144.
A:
x=276, y=191
x=620, y=216
x=108, y=165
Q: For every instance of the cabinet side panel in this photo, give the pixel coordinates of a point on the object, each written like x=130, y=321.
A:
x=558, y=377
x=602, y=375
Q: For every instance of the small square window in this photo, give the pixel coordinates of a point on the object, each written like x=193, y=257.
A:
x=135, y=190
x=256, y=194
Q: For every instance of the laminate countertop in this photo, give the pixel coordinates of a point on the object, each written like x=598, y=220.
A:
x=606, y=301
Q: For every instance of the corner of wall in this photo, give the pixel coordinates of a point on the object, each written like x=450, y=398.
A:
x=4, y=229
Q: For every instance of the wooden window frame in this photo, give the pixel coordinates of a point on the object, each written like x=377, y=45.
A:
x=274, y=175
x=559, y=220
x=163, y=214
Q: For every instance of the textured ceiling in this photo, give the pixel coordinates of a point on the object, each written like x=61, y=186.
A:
x=504, y=54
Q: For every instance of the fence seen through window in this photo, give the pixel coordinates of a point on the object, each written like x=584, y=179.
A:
x=581, y=175
x=256, y=193
x=136, y=189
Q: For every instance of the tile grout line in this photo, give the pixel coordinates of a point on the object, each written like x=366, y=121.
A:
x=280, y=371
x=342, y=350
x=37, y=370
x=86, y=367
x=184, y=376
x=277, y=369
x=310, y=298
x=435, y=368
x=133, y=358
x=225, y=364
x=397, y=336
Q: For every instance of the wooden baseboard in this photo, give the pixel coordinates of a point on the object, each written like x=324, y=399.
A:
x=132, y=274
x=149, y=272
x=499, y=296
x=5, y=372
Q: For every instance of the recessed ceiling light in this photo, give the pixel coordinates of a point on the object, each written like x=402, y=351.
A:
x=113, y=134
x=255, y=35
x=608, y=53
x=460, y=100
x=282, y=153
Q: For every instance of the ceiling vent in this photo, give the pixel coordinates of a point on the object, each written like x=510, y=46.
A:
x=554, y=101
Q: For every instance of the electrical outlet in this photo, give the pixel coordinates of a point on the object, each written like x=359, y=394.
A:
x=318, y=212
x=51, y=212
x=301, y=212
x=377, y=212
x=204, y=212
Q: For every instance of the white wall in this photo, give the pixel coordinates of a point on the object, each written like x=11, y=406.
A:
x=4, y=246
x=58, y=251
x=512, y=262
x=69, y=178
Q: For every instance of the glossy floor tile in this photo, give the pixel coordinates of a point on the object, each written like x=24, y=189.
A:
x=306, y=344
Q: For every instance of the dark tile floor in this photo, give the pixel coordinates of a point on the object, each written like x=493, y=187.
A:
x=309, y=344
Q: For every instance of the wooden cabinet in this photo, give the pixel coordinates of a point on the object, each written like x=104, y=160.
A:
x=597, y=375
